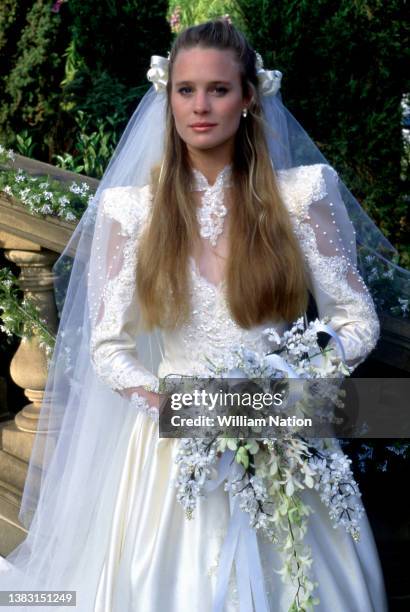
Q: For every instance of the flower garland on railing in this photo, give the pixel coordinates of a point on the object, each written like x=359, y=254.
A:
x=42, y=195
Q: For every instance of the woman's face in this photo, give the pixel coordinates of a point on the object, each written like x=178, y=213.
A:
x=206, y=88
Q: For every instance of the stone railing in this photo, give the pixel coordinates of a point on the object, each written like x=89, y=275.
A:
x=32, y=243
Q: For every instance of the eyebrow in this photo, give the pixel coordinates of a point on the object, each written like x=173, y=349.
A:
x=210, y=83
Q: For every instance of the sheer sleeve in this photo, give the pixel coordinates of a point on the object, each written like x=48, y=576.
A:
x=327, y=237
x=113, y=301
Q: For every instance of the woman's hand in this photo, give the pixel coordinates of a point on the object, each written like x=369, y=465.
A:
x=156, y=399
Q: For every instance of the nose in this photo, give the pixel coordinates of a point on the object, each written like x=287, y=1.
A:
x=201, y=102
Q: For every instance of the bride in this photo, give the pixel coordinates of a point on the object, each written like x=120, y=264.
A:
x=207, y=228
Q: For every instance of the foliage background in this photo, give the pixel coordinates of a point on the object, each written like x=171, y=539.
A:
x=344, y=68
x=76, y=73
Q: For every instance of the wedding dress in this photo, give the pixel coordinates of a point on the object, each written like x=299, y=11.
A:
x=156, y=559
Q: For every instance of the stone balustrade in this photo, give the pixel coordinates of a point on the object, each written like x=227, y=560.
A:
x=32, y=243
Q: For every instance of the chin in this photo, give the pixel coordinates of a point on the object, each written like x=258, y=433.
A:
x=204, y=147
x=205, y=143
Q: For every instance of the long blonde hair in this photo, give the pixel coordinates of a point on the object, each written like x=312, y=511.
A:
x=265, y=278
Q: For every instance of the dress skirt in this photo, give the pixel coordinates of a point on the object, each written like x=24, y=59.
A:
x=157, y=559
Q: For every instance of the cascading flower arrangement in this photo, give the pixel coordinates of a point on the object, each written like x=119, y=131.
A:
x=265, y=476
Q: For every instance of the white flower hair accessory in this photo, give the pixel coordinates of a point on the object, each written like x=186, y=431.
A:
x=269, y=80
x=158, y=72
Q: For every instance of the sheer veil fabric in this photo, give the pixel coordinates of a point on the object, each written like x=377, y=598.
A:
x=70, y=494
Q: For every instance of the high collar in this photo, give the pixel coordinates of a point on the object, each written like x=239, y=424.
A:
x=223, y=179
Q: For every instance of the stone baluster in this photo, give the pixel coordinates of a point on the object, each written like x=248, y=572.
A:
x=28, y=368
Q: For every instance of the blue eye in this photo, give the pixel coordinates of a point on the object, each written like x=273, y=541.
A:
x=219, y=89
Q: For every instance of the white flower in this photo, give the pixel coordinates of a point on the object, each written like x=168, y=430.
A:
x=272, y=335
x=309, y=475
x=325, y=361
x=46, y=209
x=24, y=192
x=74, y=188
x=63, y=201
x=234, y=373
x=291, y=482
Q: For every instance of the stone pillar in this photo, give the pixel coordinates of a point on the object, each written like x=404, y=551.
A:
x=28, y=368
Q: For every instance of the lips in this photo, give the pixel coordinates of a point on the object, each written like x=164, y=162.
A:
x=202, y=128
x=202, y=125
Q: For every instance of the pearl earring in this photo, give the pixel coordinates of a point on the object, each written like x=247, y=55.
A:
x=244, y=112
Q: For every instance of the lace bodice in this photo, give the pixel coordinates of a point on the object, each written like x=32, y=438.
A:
x=210, y=333
x=326, y=236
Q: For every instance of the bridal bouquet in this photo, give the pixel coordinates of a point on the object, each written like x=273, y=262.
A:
x=275, y=470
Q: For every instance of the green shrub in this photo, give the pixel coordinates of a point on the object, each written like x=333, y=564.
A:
x=32, y=73
x=344, y=74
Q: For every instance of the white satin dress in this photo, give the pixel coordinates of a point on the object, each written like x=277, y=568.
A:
x=157, y=560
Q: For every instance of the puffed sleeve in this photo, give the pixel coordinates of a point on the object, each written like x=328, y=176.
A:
x=114, y=312
x=327, y=238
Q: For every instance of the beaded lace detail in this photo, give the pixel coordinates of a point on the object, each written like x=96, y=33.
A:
x=334, y=274
x=210, y=332
x=141, y=405
x=108, y=338
x=212, y=212
x=311, y=195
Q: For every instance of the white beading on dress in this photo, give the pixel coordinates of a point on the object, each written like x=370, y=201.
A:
x=157, y=559
x=319, y=219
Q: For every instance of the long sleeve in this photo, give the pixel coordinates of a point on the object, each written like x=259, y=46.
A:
x=327, y=238
x=112, y=288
